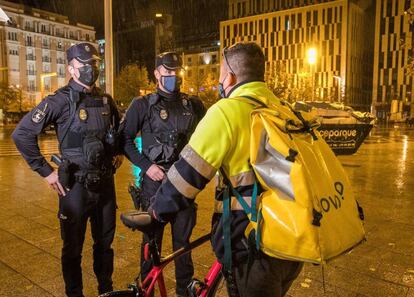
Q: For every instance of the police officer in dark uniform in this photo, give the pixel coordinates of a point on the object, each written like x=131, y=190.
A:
x=165, y=120
x=86, y=121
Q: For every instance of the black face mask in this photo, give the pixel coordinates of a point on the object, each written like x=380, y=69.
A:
x=88, y=74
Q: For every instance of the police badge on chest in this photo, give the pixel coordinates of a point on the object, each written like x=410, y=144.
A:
x=83, y=114
x=164, y=114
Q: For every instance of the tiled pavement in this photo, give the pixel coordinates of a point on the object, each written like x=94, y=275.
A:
x=383, y=177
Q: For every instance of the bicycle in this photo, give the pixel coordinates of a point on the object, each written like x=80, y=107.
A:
x=142, y=221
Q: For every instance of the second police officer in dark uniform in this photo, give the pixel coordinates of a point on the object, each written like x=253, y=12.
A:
x=85, y=119
x=165, y=120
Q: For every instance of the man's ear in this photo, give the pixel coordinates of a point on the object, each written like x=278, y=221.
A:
x=157, y=74
x=70, y=69
x=232, y=78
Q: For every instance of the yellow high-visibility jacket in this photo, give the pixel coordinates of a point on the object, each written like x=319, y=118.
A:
x=221, y=139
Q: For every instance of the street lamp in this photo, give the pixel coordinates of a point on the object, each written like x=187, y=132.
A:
x=339, y=86
x=42, y=82
x=311, y=55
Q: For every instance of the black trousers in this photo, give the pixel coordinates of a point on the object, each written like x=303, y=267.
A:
x=75, y=209
x=181, y=229
x=267, y=277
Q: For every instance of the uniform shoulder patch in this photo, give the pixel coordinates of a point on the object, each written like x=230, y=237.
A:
x=38, y=115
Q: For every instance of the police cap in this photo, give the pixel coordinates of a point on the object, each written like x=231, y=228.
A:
x=170, y=60
x=83, y=52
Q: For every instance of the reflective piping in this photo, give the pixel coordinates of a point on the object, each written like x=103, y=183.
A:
x=235, y=204
x=182, y=186
x=197, y=162
x=243, y=179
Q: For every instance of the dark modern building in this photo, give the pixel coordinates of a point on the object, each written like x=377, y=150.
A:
x=197, y=23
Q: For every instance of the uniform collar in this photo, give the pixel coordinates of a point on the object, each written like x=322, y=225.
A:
x=78, y=88
x=169, y=97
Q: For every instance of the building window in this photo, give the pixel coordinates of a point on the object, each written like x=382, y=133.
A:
x=12, y=36
x=315, y=18
x=29, y=41
x=32, y=86
x=287, y=24
x=190, y=73
x=329, y=15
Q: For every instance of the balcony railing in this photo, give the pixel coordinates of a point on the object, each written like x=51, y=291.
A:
x=46, y=59
x=60, y=61
x=30, y=57
x=31, y=89
x=31, y=72
x=60, y=48
x=27, y=43
x=44, y=45
x=61, y=75
x=31, y=29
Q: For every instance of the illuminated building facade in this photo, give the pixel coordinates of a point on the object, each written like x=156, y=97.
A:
x=392, y=87
x=339, y=31
x=33, y=46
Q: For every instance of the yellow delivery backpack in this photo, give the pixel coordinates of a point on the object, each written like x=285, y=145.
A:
x=307, y=210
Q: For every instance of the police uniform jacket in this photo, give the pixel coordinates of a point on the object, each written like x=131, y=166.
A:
x=159, y=118
x=56, y=109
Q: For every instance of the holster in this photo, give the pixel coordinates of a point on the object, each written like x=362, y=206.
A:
x=65, y=174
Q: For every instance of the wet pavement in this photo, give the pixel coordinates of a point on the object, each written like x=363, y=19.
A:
x=382, y=173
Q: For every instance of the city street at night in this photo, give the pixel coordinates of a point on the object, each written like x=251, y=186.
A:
x=381, y=173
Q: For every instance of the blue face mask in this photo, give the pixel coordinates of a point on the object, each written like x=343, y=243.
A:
x=221, y=90
x=171, y=83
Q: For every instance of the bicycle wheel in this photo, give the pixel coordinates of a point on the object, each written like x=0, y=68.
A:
x=121, y=293
x=218, y=287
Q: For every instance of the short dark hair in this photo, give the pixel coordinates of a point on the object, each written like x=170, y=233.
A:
x=246, y=61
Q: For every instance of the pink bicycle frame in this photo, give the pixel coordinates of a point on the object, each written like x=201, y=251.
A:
x=210, y=277
x=155, y=275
